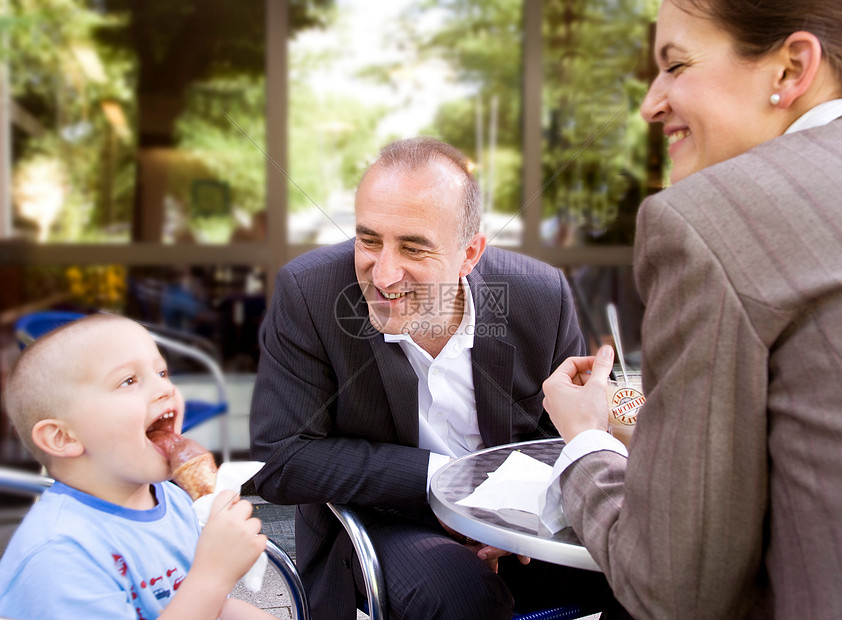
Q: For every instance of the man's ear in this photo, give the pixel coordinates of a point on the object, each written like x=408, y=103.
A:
x=56, y=438
x=474, y=251
x=801, y=57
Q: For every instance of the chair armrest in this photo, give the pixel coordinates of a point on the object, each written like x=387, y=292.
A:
x=288, y=571
x=375, y=584
x=23, y=483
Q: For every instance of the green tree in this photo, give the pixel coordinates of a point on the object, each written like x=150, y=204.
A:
x=170, y=69
x=57, y=87
x=595, y=60
x=482, y=43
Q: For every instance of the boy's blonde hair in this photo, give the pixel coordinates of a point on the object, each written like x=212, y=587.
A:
x=38, y=387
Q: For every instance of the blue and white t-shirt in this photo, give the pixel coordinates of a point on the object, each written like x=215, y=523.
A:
x=77, y=556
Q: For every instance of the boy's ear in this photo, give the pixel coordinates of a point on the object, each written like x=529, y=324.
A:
x=56, y=438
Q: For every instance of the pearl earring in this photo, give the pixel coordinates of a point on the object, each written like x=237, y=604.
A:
x=775, y=99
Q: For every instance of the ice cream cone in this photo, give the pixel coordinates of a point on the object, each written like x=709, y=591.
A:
x=197, y=476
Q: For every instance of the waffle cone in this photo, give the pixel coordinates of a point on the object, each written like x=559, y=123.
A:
x=197, y=476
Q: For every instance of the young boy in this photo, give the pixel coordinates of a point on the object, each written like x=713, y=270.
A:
x=112, y=539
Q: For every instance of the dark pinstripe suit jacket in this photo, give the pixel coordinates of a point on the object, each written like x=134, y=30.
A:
x=335, y=408
x=732, y=502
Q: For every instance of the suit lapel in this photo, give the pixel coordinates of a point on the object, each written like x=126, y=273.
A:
x=493, y=362
x=401, y=385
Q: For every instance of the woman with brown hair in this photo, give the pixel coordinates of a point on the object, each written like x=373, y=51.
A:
x=727, y=504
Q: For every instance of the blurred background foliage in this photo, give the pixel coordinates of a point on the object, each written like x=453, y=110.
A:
x=595, y=76
x=96, y=82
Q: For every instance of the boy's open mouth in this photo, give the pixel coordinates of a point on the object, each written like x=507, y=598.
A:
x=162, y=430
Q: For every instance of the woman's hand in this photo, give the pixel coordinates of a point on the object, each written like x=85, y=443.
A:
x=574, y=395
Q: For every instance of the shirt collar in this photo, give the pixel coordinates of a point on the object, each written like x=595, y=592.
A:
x=819, y=115
x=464, y=336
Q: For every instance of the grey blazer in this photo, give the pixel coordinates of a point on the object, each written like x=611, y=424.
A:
x=730, y=504
x=335, y=408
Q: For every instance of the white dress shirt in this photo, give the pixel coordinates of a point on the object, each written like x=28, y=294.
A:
x=817, y=116
x=447, y=406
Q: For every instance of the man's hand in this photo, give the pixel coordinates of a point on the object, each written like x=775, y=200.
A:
x=491, y=555
x=574, y=395
x=488, y=554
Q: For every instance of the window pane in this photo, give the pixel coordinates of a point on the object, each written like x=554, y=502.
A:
x=598, y=152
x=379, y=71
x=596, y=60
x=137, y=120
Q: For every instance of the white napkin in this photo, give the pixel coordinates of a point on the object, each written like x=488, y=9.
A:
x=518, y=484
x=231, y=476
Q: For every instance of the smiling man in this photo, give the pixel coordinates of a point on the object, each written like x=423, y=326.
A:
x=385, y=356
x=418, y=234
